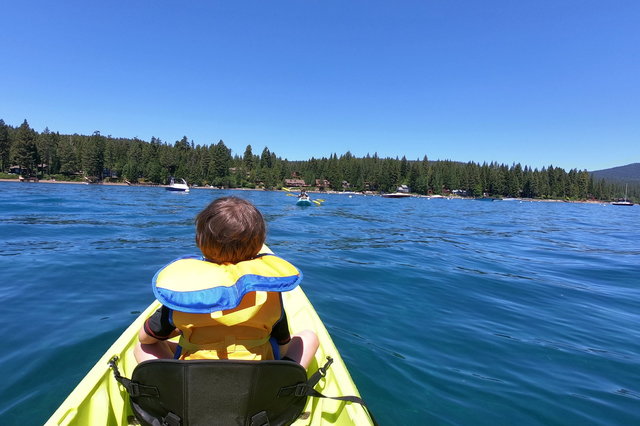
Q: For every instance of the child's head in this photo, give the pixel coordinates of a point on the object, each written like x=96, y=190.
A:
x=230, y=230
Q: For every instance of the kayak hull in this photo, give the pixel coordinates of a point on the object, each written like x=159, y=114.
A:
x=100, y=400
x=303, y=203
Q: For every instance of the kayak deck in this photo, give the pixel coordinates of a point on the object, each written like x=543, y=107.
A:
x=100, y=400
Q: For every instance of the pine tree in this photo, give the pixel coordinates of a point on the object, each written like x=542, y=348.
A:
x=5, y=146
x=220, y=163
x=46, y=147
x=265, y=158
x=25, y=150
x=247, y=159
x=93, y=156
x=68, y=157
x=132, y=170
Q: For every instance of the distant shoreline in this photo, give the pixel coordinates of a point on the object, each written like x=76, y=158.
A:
x=63, y=181
x=535, y=200
x=118, y=184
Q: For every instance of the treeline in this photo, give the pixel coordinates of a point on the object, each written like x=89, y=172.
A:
x=104, y=158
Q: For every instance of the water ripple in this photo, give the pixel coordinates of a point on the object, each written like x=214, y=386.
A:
x=479, y=313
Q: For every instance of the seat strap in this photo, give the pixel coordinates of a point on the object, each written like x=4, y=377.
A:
x=171, y=420
x=307, y=389
x=134, y=389
x=260, y=419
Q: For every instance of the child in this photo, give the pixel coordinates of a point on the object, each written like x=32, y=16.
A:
x=228, y=304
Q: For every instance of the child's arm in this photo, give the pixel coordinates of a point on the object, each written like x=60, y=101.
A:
x=158, y=327
x=144, y=338
x=302, y=348
x=283, y=349
x=150, y=340
x=280, y=333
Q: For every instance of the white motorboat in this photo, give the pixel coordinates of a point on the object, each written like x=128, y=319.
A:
x=179, y=187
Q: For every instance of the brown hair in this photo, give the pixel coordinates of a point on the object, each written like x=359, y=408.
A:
x=230, y=230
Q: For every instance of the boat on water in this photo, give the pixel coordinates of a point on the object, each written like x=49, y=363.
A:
x=178, y=186
x=623, y=201
x=303, y=201
x=396, y=195
x=100, y=400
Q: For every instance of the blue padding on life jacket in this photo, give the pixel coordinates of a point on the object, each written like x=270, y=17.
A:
x=222, y=298
x=171, y=318
x=275, y=347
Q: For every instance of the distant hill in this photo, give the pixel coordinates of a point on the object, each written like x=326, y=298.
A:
x=623, y=174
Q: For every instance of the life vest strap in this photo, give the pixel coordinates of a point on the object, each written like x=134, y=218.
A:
x=229, y=344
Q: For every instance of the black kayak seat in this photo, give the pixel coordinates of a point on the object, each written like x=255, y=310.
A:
x=216, y=392
x=168, y=392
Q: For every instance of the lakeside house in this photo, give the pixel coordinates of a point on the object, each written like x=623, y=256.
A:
x=294, y=183
x=322, y=184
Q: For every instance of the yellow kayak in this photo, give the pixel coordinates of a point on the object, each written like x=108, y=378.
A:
x=100, y=400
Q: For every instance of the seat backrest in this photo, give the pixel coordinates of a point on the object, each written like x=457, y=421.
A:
x=218, y=392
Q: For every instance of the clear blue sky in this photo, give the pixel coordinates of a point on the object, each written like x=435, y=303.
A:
x=533, y=82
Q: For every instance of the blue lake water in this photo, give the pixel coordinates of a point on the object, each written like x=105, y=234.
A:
x=447, y=312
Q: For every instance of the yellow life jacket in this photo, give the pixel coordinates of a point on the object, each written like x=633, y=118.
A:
x=225, y=311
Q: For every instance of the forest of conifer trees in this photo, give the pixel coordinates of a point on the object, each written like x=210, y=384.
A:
x=99, y=158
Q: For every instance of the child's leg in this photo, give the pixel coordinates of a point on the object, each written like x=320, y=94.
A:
x=303, y=347
x=158, y=350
